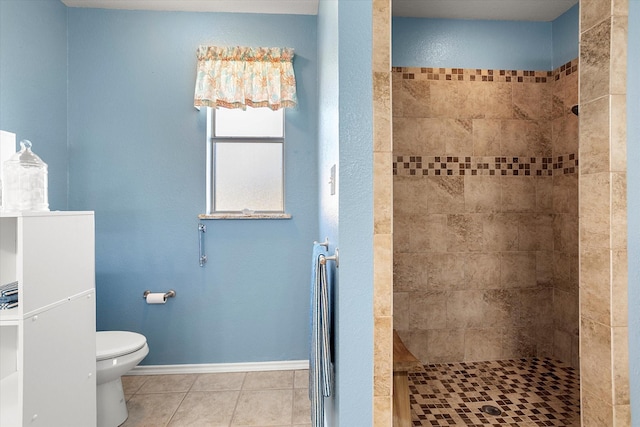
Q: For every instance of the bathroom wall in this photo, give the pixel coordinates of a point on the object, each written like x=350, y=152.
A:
x=328, y=155
x=418, y=42
x=565, y=30
x=354, y=346
x=485, y=200
x=33, y=84
x=485, y=209
x=604, y=306
x=345, y=140
x=382, y=215
x=127, y=143
x=137, y=157
x=633, y=194
x=564, y=258
x=505, y=45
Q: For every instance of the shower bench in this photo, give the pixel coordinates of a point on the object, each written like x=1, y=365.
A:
x=403, y=362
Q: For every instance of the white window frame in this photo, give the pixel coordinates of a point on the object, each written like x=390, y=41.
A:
x=210, y=169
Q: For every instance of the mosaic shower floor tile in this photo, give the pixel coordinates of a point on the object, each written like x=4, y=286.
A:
x=528, y=392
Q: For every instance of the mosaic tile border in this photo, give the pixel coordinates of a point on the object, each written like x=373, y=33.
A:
x=484, y=165
x=567, y=69
x=487, y=75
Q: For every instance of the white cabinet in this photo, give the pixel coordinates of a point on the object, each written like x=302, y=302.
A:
x=47, y=343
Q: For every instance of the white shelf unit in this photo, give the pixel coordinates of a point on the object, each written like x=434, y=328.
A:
x=47, y=343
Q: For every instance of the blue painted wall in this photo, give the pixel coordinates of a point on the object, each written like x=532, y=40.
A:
x=328, y=132
x=345, y=139
x=418, y=42
x=137, y=157
x=354, y=297
x=566, y=35
x=633, y=203
x=328, y=152
x=33, y=84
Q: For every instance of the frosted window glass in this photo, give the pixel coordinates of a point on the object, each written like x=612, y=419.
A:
x=248, y=176
x=253, y=122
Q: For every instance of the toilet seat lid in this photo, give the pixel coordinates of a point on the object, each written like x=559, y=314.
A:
x=110, y=344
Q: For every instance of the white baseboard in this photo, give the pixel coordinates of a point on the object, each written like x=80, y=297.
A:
x=208, y=368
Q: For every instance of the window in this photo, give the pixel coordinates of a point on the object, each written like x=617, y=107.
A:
x=245, y=161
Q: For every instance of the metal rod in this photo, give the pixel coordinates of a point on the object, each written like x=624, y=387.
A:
x=201, y=230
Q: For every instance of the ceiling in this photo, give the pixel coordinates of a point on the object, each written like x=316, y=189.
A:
x=512, y=10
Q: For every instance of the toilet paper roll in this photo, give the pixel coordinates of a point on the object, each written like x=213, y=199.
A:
x=156, y=298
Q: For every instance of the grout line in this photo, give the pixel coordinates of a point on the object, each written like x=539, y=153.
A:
x=291, y=388
x=177, y=408
x=293, y=400
x=235, y=407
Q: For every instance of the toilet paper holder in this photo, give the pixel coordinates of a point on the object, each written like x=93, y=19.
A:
x=169, y=294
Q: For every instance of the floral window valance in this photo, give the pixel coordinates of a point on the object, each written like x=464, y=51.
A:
x=237, y=77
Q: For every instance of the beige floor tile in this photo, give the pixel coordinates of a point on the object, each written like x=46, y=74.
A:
x=132, y=383
x=167, y=383
x=301, y=406
x=206, y=408
x=301, y=379
x=268, y=380
x=152, y=410
x=264, y=408
x=219, y=381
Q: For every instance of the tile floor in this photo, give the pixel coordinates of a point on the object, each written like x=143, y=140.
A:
x=529, y=392
x=270, y=398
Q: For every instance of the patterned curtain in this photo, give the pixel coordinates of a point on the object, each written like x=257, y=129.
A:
x=237, y=77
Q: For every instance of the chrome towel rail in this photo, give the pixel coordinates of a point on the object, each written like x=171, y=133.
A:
x=201, y=230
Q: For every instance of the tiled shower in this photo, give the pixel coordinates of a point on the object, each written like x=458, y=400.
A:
x=485, y=208
x=603, y=312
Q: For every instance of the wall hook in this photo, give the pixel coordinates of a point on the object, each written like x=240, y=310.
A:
x=335, y=257
x=325, y=243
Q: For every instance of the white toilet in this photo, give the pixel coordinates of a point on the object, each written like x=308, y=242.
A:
x=117, y=352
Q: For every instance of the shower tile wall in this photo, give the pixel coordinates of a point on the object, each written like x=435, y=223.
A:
x=485, y=213
x=604, y=380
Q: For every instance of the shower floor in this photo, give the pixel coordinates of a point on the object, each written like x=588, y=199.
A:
x=529, y=392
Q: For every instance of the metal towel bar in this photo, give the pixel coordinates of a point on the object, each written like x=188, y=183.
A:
x=201, y=230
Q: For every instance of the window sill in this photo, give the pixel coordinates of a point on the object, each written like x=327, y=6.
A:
x=243, y=216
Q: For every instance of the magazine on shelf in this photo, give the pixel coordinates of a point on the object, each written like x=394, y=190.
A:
x=9, y=296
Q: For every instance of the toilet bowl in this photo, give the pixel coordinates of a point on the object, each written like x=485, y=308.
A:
x=117, y=352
